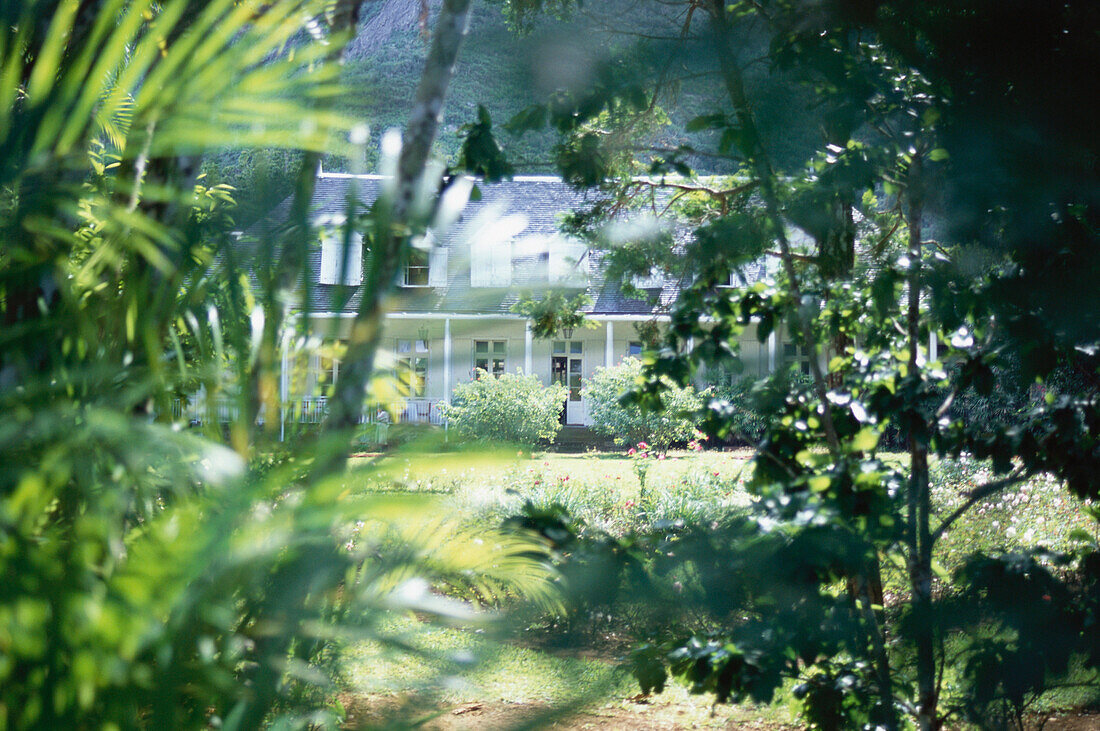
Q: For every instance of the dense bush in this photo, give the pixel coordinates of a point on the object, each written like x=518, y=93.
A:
x=510, y=408
x=156, y=576
x=747, y=420
x=629, y=423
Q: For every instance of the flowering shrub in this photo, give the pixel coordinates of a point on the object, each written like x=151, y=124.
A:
x=628, y=423
x=700, y=496
x=640, y=457
x=511, y=408
x=1036, y=512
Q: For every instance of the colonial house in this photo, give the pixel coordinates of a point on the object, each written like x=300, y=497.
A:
x=452, y=313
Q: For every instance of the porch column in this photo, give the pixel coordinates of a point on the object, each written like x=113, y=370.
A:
x=528, y=338
x=933, y=347
x=609, y=348
x=701, y=368
x=773, y=347
x=447, y=360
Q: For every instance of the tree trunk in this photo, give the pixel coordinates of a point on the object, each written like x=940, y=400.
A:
x=389, y=248
x=919, y=537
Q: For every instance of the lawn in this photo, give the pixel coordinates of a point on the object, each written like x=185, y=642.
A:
x=602, y=488
x=473, y=681
x=476, y=681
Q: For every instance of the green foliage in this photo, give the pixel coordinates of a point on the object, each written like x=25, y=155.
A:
x=741, y=407
x=510, y=408
x=613, y=414
x=480, y=154
x=157, y=576
x=554, y=311
x=595, y=569
x=911, y=107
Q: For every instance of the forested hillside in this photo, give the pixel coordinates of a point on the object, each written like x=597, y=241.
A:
x=506, y=70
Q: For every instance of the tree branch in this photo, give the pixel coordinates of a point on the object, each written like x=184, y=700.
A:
x=975, y=496
x=754, y=150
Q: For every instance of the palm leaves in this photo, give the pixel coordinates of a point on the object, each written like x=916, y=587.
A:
x=152, y=577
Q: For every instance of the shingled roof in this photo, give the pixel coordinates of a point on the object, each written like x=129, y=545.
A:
x=541, y=200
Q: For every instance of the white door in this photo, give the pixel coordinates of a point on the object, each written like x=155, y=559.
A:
x=567, y=368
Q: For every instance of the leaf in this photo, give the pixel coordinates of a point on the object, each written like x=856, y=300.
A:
x=938, y=155
x=527, y=120
x=865, y=440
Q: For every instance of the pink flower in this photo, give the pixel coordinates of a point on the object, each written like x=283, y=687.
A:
x=630, y=451
x=715, y=474
x=629, y=504
x=643, y=445
x=660, y=456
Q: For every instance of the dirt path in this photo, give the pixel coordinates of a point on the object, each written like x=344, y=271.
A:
x=633, y=715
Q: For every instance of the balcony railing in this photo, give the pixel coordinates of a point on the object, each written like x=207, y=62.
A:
x=197, y=411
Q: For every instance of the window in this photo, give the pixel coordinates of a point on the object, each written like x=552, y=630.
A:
x=490, y=356
x=733, y=279
x=655, y=280
x=324, y=368
x=798, y=357
x=412, y=366
x=417, y=269
x=634, y=348
x=575, y=347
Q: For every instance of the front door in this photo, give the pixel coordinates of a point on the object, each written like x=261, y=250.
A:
x=567, y=368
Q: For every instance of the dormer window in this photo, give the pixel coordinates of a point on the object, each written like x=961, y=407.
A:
x=418, y=269
x=655, y=280
x=426, y=265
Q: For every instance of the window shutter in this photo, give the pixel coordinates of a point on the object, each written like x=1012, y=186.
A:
x=330, y=254
x=481, y=265
x=565, y=261
x=501, y=265
x=354, y=274
x=437, y=266
x=332, y=257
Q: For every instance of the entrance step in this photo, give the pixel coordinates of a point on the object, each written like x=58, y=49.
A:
x=580, y=439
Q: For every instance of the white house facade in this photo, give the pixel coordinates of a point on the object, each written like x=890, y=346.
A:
x=452, y=312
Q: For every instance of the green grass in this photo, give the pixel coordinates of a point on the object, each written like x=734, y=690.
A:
x=601, y=488
x=454, y=666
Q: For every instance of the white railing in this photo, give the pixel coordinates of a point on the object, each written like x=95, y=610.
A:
x=196, y=410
